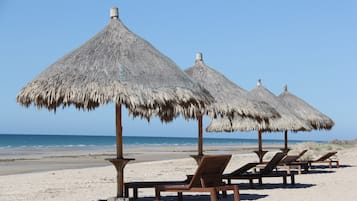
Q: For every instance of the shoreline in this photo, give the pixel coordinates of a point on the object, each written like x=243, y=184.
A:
x=51, y=159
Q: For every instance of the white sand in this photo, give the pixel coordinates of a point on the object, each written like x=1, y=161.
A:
x=99, y=182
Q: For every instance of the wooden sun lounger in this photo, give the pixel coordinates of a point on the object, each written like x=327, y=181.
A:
x=291, y=162
x=326, y=159
x=266, y=171
x=208, y=178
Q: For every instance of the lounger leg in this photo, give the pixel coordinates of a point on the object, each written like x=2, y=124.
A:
x=157, y=195
x=260, y=181
x=213, y=194
x=126, y=191
x=135, y=192
x=251, y=183
x=306, y=168
x=236, y=193
x=293, y=179
x=337, y=164
x=330, y=164
x=179, y=196
x=224, y=193
x=284, y=180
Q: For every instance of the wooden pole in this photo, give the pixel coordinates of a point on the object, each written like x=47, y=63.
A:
x=119, y=143
x=286, y=139
x=260, y=147
x=119, y=131
x=200, y=136
x=260, y=151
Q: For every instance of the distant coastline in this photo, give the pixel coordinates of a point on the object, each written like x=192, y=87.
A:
x=85, y=141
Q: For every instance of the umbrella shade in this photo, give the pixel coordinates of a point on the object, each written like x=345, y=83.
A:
x=305, y=111
x=231, y=100
x=120, y=67
x=287, y=121
x=117, y=66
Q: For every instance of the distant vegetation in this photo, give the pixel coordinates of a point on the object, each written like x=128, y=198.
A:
x=318, y=149
x=344, y=142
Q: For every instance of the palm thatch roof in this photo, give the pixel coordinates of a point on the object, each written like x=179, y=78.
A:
x=287, y=121
x=305, y=111
x=120, y=67
x=230, y=98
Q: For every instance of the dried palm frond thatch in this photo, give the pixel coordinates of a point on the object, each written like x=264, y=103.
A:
x=287, y=121
x=230, y=99
x=117, y=66
x=305, y=111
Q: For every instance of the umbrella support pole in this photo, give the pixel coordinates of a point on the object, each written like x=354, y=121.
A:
x=260, y=151
x=197, y=158
x=285, y=149
x=260, y=154
x=199, y=155
x=119, y=165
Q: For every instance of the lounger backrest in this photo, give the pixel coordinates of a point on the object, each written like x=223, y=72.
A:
x=271, y=165
x=326, y=156
x=210, y=170
x=302, y=153
x=243, y=169
x=289, y=159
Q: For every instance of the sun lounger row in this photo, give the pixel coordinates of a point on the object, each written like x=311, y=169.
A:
x=209, y=175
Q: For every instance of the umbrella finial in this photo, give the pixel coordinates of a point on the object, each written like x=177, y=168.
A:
x=259, y=83
x=286, y=88
x=114, y=13
x=199, y=56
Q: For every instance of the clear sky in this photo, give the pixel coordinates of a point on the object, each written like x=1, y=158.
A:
x=309, y=45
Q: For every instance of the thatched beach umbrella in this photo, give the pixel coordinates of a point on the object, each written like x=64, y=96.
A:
x=287, y=121
x=305, y=111
x=231, y=100
x=117, y=66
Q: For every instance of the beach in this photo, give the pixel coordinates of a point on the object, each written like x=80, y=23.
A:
x=58, y=177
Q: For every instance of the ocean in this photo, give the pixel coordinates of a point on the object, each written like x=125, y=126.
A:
x=47, y=141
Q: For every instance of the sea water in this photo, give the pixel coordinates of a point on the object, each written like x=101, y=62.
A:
x=17, y=140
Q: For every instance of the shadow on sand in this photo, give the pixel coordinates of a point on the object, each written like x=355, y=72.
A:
x=243, y=196
x=229, y=197
x=274, y=186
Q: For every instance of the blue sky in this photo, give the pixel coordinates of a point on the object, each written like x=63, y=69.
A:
x=309, y=45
